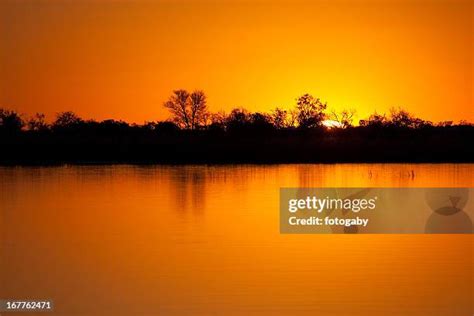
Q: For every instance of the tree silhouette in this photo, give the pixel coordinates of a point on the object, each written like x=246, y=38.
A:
x=280, y=118
x=10, y=121
x=310, y=111
x=66, y=120
x=199, y=113
x=37, y=123
x=403, y=119
x=178, y=104
x=374, y=120
x=189, y=110
x=237, y=119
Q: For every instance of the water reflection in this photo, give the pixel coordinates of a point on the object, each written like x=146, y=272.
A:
x=204, y=240
x=190, y=188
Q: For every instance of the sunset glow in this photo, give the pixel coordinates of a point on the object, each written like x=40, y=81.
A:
x=331, y=124
x=122, y=59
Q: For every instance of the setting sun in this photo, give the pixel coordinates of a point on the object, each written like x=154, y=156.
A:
x=331, y=123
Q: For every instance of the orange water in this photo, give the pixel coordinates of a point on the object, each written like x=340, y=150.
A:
x=204, y=240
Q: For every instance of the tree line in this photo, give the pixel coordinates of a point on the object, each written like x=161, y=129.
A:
x=307, y=133
x=189, y=111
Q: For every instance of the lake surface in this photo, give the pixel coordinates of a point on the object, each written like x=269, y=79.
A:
x=204, y=240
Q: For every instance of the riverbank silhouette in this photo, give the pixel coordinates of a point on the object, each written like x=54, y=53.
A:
x=112, y=142
x=306, y=134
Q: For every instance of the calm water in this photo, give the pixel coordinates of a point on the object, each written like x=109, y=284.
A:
x=197, y=240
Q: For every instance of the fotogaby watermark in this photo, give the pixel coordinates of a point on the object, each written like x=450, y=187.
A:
x=376, y=210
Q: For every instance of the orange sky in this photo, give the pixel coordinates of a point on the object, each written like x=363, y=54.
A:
x=121, y=59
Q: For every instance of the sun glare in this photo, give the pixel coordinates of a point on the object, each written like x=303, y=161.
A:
x=332, y=124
